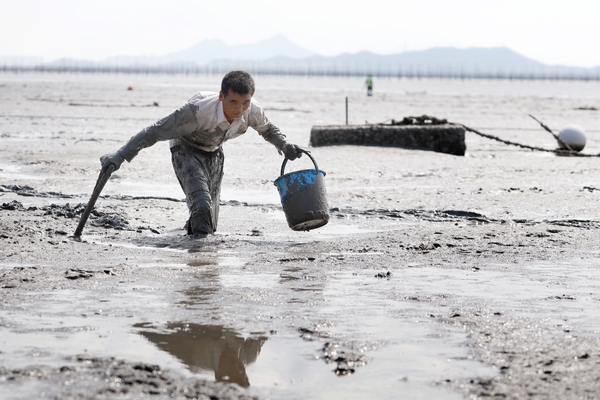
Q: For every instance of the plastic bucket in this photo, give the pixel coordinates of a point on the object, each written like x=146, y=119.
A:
x=303, y=197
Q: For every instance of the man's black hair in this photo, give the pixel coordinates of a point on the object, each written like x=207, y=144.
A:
x=239, y=82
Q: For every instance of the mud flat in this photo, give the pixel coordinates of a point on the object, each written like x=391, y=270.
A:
x=436, y=277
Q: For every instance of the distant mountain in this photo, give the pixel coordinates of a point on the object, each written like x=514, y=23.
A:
x=494, y=56
x=21, y=60
x=499, y=57
x=496, y=62
x=280, y=56
x=210, y=50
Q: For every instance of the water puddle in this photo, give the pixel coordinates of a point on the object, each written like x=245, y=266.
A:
x=369, y=345
x=67, y=322
x=297, y=331
x=275, y=366
x=13, y=173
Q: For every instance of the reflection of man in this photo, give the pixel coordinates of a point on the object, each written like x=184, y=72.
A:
x=210, y=348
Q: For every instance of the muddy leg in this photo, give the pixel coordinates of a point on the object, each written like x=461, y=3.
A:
x=200, y=174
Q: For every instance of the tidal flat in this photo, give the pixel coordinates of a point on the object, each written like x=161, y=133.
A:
x=437, y=276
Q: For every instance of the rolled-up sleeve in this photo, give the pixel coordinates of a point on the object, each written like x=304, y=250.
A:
x=257, y=118
x=181, y=122
x=259, y=121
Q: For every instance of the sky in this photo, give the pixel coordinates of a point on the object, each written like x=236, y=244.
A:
x=552, y=32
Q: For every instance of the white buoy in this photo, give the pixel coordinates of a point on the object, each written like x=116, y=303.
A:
x=574, y=136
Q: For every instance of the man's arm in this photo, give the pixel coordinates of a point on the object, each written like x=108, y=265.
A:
x=274, y=136
x=179, y=123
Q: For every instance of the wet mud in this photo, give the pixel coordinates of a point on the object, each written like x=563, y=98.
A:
x=436, y=276
x=346, y=355
x=84, y=377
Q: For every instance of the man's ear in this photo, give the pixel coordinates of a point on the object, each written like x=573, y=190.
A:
x=221, y=97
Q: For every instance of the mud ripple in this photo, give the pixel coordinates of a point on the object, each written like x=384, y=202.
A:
x=425, y=215
x=457, y=216
x=575, y=223
x=28, y=191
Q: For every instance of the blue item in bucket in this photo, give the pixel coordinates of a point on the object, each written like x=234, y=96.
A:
x=303, y=197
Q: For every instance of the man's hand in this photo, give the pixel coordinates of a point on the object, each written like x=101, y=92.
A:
x=292, y=151
x=115, y=159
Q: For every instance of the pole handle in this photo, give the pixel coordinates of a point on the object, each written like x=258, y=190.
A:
x=102, y=179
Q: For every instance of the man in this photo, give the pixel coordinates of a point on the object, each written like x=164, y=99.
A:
x=196, y=133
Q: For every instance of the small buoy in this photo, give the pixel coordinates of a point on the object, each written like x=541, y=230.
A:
x=129, y=87
x=574, y=136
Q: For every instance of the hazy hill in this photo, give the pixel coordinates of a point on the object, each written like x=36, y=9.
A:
x=279, y=52
x=210, y=50
x=445, y=58
x=279, y=55
x=497, y=62
x=21, y=60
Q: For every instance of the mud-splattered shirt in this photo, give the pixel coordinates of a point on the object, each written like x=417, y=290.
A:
x=201, y=123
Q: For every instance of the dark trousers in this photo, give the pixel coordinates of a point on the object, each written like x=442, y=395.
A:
x=200, y=174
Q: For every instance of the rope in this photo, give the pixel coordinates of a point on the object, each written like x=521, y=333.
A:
x=428, y=120
x=560, y=152
x=560, y=141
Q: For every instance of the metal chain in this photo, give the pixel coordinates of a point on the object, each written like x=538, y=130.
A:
x=429, y=120
x=561, y=152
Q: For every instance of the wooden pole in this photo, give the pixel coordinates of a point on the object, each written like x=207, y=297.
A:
x=346, y=110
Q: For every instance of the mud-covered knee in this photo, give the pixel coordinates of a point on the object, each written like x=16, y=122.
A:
x=199, y=200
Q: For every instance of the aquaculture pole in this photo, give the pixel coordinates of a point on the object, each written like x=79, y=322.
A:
x=346, y=110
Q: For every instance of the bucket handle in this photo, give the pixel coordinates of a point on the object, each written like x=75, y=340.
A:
x=305, y=152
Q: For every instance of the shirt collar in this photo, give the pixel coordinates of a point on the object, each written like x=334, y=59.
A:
x=222, y=119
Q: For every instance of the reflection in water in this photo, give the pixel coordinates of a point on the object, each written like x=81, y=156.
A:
x=208, y=347
x=209, y=279
x=298, y=280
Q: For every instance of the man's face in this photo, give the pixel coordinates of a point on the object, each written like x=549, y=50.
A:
x=234, y=104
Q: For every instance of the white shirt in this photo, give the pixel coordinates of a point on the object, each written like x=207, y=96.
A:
x=201, y=123
x=211, y=128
